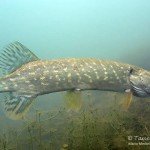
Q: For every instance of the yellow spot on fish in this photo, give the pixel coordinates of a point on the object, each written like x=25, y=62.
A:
x=5, y=88
x=114, y=71
x=31, y=85
x=29, y=68
x=104, y=68
x=69, y=75
x=94, y=63
x=56, y=71
x=22, y=78
x=105, y=78
x=59, y=79
x=65, y=69
x=46, y=71
x=56, y=76
x=42, y=78
x=3, y=83
x=87, y=75
x=32, y=73
x=44, y=83
x=11, y=79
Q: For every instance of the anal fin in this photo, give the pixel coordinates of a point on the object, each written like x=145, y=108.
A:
x=16, y=106
x=127, y=100
x=73, y=100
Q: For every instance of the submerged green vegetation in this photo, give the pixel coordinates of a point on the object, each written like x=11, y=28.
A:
x=100, y=125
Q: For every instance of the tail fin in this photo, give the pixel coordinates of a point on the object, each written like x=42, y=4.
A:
x=13, y=57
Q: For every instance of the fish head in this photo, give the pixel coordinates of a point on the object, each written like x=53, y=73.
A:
x=140, y=82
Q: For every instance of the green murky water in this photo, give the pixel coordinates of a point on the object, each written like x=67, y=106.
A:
x=116, y=30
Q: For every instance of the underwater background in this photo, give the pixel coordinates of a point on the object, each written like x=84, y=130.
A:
x=114, y=30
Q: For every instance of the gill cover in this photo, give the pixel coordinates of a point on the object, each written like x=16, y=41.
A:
x=140, y=82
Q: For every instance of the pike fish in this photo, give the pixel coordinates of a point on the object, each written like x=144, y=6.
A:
x=25, y=77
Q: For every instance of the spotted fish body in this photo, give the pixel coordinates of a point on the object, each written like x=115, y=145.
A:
x=26, y=77
x=41, y=77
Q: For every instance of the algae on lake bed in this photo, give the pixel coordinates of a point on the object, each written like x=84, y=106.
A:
x=100, y=124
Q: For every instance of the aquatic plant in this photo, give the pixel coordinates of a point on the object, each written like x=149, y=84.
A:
x=98, y=125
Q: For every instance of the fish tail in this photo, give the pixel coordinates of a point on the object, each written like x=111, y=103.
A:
x=13, y=57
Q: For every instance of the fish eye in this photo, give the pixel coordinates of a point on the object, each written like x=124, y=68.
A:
x=131, y=71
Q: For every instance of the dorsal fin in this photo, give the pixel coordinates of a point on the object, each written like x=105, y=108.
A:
x=14, y=56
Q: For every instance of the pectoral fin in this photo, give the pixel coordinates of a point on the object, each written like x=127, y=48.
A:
x=73, y=100
x=127, y=100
